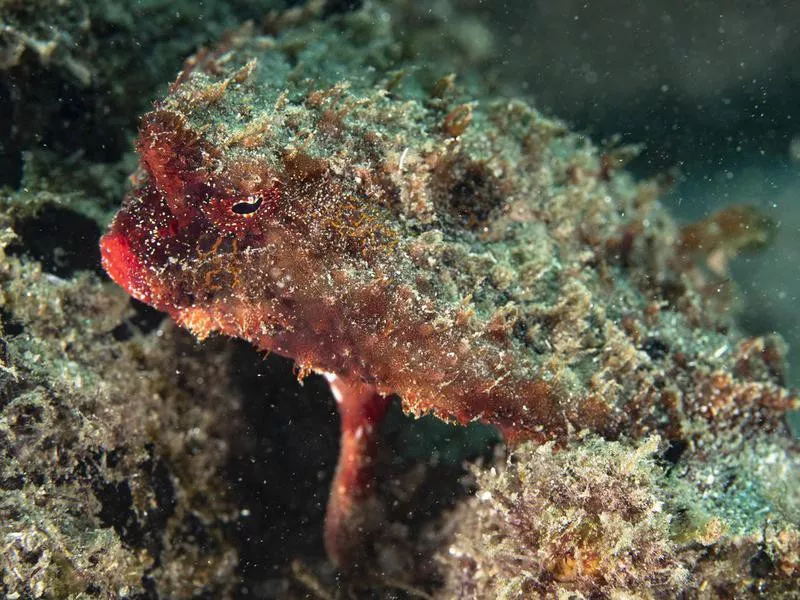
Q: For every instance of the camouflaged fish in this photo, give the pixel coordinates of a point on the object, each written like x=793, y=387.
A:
x=307, y=193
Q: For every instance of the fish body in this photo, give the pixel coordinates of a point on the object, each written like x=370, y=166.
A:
x=306, y=193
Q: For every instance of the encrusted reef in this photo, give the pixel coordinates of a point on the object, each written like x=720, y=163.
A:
x=606, y=519
x=305, y=187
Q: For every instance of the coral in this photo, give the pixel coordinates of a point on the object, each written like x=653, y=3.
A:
x=469, y=255
x=589, y=520
x=609, y=520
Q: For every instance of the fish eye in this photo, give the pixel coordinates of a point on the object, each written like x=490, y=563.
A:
x=249, y=206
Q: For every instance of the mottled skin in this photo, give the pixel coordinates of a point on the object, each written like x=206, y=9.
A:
x=234, y=249
x=479, y=265
x=238, y=248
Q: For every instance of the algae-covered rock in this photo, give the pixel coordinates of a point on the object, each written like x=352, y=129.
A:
x=112, y=462
x=589, y=520
x=614, y=520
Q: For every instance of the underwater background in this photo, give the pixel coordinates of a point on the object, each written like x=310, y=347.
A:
x=138, y=463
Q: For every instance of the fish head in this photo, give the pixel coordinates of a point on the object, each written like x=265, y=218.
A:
x=192, y=210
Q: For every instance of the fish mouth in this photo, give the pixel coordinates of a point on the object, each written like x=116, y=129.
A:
x=126, y=269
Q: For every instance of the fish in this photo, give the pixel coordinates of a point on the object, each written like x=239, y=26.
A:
x=307, y=193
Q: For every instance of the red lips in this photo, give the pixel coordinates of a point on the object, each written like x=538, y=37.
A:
x=124, y=267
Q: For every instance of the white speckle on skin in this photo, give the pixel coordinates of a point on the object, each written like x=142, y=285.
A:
x=401, y=163
x=720, y=351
